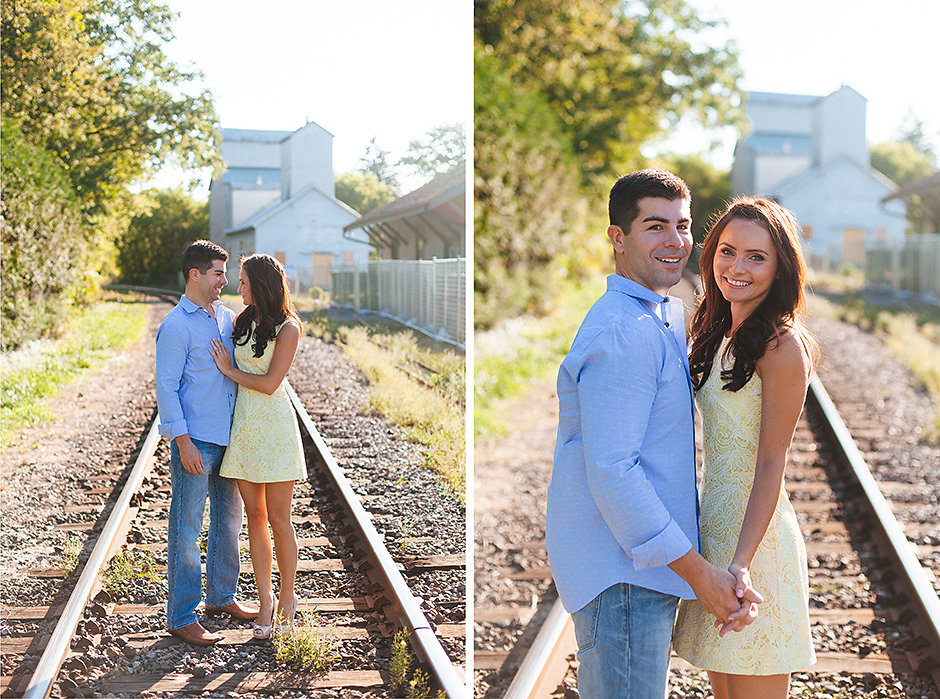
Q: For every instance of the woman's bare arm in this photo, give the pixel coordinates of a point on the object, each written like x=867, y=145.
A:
x=286, y=346
x=784, y=371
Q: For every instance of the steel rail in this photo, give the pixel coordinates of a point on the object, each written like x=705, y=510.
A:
x=901, y=548
x=153, y=291
x=533, y=676
x=528, y=682
x=57, y=649
x=426, y=642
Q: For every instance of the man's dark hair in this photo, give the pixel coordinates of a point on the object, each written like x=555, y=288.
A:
x=626, y=193
x=200, y=254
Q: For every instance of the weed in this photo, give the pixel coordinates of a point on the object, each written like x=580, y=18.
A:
x=913, y=334
x=67, y=556
x=127, y=565
x=401, y=660
x=427, y=416
x=418, y=687
x=301, y=646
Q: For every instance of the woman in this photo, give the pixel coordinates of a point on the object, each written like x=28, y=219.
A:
x=751, y=361
x=265, y=454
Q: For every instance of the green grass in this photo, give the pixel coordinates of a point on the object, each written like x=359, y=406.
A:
x=33, y=375
x=128, y=565
x=302, y=646
x=911, y=332
x=521, y=352
x=401, y=660
x=427, y=415
x=435, y=416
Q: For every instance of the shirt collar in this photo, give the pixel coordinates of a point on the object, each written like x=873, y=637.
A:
x=615, y=282
x=192, y=307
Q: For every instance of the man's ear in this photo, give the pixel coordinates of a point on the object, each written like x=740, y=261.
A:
x=616, y=235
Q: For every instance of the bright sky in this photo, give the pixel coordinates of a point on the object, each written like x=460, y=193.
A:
x=886, y=51
x=364, y=68
x=358, y=68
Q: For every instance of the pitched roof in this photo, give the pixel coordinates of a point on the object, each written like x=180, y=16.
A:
x=443, y=187
x=274, y=208
x=806, y=176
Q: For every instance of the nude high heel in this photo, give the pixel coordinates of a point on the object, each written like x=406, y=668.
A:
x=262, y=632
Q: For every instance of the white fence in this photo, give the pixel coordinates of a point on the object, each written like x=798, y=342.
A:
x=429, y=294
x=912, y=267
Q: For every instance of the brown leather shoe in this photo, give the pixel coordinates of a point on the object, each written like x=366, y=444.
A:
x=195, y=635
x=235, y=610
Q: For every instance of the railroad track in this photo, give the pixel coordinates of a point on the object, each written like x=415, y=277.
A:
x=856, y=551
x=345, y=572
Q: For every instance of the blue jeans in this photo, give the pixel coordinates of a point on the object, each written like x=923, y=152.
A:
x=184, y=560
x=623, y=637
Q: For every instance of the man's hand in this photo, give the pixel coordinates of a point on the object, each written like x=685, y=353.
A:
x=189, y=455
x=715, y=590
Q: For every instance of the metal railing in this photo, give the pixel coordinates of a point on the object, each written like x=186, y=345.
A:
x=912, y=267
x=428, y=294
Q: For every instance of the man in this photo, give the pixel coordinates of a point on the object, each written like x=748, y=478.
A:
x=195, y=402
x=622, y=521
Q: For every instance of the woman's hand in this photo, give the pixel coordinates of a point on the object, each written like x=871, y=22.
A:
x=221, y=356
x=742, y=578
x=747, y=595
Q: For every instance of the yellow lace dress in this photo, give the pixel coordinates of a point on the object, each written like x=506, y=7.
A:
x=779, y=640
x=264, y=446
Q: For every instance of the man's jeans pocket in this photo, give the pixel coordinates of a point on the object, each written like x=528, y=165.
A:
x=585, y=624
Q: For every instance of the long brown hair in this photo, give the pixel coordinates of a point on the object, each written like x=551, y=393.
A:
x=271, y=303
x=784, y=307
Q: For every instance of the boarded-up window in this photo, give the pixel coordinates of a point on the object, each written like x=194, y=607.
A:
x=281, y=257
x=322, y=267
x=853, y=246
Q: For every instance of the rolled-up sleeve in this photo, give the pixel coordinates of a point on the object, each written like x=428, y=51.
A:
x=171, y=359
x=617, y=386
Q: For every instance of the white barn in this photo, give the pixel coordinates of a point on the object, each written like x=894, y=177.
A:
x=277, y=196
x=810, y=154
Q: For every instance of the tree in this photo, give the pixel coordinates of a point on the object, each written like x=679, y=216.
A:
x=440, y=150
x=526, y=194
x=362, y=191
x=616, y=73
x=376, y=161
x=566, y=93
x=149, y=251
x=43, y=246
x=912, y=131
x=901, y=161
x=87, y=83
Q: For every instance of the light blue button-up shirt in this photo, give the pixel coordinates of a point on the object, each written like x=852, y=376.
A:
x=622, y=502
x=193, y=396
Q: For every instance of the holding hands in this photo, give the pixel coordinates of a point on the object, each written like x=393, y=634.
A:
x=726, y=594
x=748, y=598
x=221, y=356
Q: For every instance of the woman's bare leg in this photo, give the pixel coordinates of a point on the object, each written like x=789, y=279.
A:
x=727, y=686
x=278, y=496
x=719, y=682
x=259, y=544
